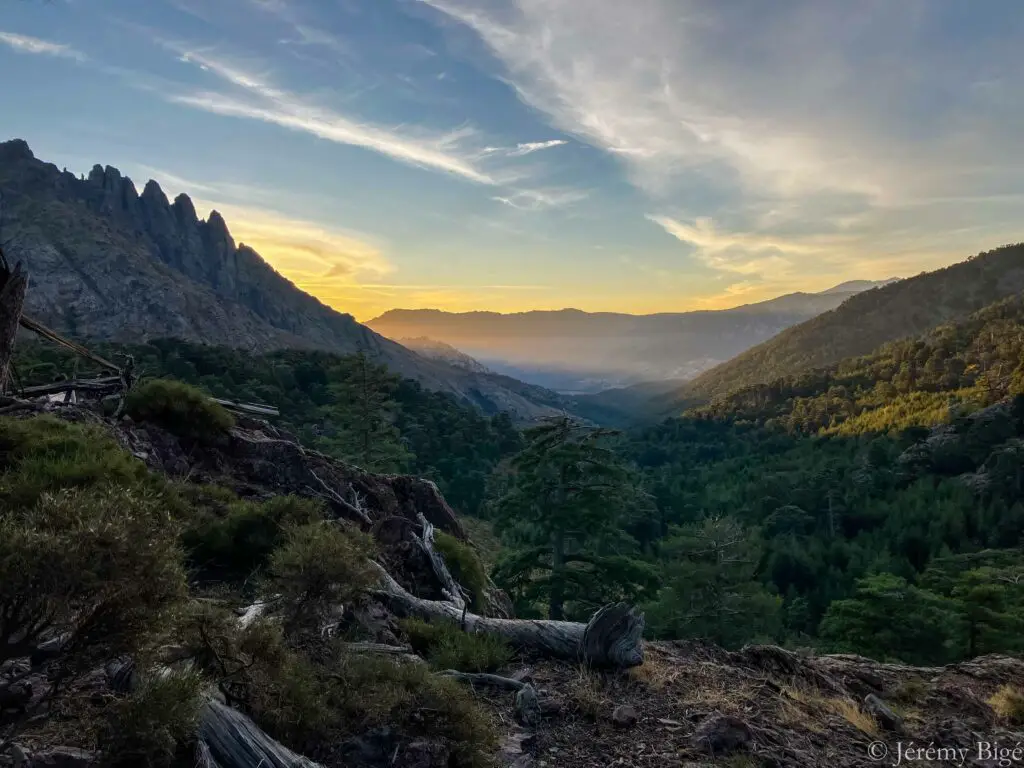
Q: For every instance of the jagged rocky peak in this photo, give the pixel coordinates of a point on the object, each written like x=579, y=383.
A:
x=185, y=210
x=153, y=193
x=15, y=149
x=217, y=235
x=113, y=191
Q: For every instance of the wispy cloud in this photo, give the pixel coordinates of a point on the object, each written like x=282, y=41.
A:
x=258, y=99
x=538, y=199
x=525, y=148
x=738, y=253
x=35, y=45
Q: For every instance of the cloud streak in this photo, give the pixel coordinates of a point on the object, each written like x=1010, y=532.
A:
x=39, y=47
x=258, y=99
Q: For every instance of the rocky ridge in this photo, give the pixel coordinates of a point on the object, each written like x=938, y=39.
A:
x=106, y=262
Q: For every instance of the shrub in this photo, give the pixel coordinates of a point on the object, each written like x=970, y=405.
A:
x=321, y=564
x=234, y=538
x=313, y=707
x=47, y=454
x=179, y=408
x=314, y=702
x=150, y=727
x=98, y=567
x=446, y=646
x=465, y=565
x=1008, y=703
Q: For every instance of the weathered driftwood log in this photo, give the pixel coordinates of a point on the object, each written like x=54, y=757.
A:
x=227, y=738
x=232, y=740
x=484, y=678
x=612, y=638
x=450, y=588
x=382, y=649
x=12, y=298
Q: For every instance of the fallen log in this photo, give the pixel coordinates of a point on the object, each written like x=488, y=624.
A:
x=484, y=678
x=101, y=385
x=612, y=638
x=379, y=648
x=232, y=740
x=450, y=588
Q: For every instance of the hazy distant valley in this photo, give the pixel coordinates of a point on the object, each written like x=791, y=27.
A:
x=575, y=352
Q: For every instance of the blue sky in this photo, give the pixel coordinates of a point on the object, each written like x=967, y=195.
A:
x=650, y=155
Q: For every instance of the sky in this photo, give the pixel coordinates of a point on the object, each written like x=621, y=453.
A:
x=641, y=156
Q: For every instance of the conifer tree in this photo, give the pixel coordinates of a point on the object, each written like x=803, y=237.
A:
x=567, y=493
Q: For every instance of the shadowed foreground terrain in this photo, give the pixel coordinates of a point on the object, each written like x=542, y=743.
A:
x=686, y=704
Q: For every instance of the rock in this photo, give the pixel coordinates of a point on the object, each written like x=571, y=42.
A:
x=721, y=734
x=524, y=675
x=624, y=716
x=15, y=696
x=376, y=747
x=423, y=754
x=885, y=717
x=528, y=706
x=515, y=750
x=63, y=757
x=19, y=758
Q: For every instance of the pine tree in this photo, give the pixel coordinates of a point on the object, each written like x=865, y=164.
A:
x=362, y=392
x=889, y=619
x=566, y=494
x=712, y=592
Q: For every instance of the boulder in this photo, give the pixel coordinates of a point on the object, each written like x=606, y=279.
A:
x=624, y=716
x=721, y=734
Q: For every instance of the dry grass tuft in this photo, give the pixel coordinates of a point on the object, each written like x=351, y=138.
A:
x=801, y=708
x=586, y=692
x=657, y=672
x=1008, y=704
x=854, y=715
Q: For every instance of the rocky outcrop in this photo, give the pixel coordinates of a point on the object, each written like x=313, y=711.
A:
x=106, y=262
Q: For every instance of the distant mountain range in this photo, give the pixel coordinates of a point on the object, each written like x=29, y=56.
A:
x=579, y=352
x=106, y=262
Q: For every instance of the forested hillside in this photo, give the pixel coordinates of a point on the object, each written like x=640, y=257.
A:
x=860, y=325
x=891, y=479
x=345, y=406
x=922, y=381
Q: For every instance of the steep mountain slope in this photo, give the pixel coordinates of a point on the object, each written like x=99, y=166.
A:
x=866, y=321
x=438, y=350
x=574, y=351
x=108, y=263
x=952, y=370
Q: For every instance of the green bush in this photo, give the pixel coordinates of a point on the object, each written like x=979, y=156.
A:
x=179, y=408
x=312, y=702
x=312, y=707
x=234, y=538
x=446, y=646
x=465, y=565
x=321, y=564
x=48, y=454
x=99, y=566
x=150, y=727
